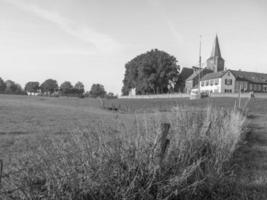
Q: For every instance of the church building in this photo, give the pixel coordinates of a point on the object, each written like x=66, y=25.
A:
x=215, y=62
x=213, y=78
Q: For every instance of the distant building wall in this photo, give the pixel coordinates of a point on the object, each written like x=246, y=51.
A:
x=241, y=85
x=156, y=96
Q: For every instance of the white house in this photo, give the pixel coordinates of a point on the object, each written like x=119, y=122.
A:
x=132, y=92
x=218, y=82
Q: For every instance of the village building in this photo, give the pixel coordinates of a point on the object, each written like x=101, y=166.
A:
x=250, y=81
x=232, y=81
x=213, y=78
x=185, y=73
x=215, y=63
x=193, y=80
x=218, y=82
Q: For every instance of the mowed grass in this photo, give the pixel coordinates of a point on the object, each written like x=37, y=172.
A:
x=24, y=118
x=71, y=148
x=32, y=115
x=25, y=115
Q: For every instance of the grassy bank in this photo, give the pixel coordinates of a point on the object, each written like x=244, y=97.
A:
x=123, y=160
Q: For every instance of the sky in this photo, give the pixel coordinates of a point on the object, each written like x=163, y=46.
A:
x=92, y=40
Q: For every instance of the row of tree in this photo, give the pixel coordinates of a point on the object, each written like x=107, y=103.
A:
x=50, y=87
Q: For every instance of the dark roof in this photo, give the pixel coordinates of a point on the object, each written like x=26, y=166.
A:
x=253, y=77
x=213, y=75
x=204, y=70
x=186, y=72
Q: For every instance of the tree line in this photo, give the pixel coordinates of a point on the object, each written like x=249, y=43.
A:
x=153, y=72
x=50, y=87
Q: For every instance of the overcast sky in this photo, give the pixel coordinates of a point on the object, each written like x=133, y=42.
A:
x=91, y=40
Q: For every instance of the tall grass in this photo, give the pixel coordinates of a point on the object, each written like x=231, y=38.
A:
x=122, y=161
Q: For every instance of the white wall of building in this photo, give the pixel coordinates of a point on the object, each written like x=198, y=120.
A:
x=214, y=88
x=132, y=92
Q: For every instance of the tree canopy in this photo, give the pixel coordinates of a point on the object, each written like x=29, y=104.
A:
x=79, y=87
x=153, y=72
x=13, y=88
x=97, y=90
x=2, y=85
x=49, y=86
x=32, y=86
x=66, y=87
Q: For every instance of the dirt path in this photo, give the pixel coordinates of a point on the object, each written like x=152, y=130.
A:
x=252, y=157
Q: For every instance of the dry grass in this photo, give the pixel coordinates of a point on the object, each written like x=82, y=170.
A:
x=123, y=160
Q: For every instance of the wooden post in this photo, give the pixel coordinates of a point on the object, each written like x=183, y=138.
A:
x=164, y=141
x=206, y=129
x=1, y=172
x=239, y=97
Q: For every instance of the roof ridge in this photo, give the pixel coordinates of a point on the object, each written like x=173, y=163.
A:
x=247, y=71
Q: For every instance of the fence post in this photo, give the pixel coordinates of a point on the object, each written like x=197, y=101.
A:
x=164, y=141
x=239, y=97
x=1, y=171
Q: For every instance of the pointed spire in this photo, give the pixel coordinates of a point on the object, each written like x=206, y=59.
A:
x=216, y=52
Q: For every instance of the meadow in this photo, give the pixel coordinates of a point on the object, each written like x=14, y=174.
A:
x=70, y=148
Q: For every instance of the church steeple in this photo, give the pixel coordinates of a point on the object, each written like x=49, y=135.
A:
x=216, y=62
x=216, y=48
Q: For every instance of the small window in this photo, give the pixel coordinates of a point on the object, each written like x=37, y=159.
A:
x=211, y=82
x=228, y=81
x=202, y=83
x=207, y=83
x=216, y=82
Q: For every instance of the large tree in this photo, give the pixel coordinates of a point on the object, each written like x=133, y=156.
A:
x=153, y=72
x=11, y=87
x=97, y=90
x=66, y=87
x=32, y=86
x=2, y=85
x=19, y=89
x=49, y=86
x=79, y=87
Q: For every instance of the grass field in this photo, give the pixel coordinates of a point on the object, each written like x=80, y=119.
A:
x=35, y=130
